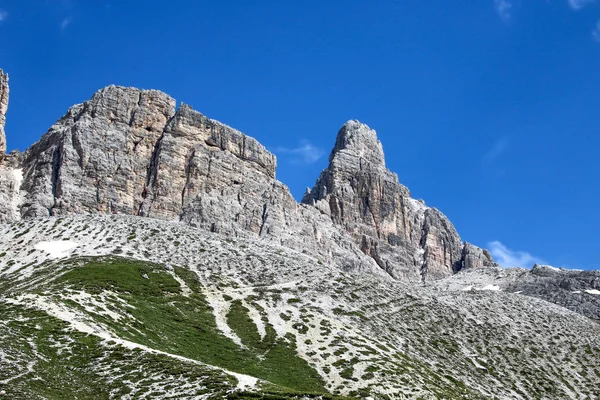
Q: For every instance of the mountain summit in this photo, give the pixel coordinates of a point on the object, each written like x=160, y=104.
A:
x=407, y=239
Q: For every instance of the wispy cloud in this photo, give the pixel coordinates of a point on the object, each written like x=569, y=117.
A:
x=3, y=15
x=497, y=149
x=596, y=32
x=508, y=258
x=306, y=153
x=65, y=23
x=504, y=9
x=579, y=4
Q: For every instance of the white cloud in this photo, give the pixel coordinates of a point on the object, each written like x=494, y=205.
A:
x=596, y=32
x=508, y=258
x=503, y=8
x=497, y=149
x=306, y=153
x=3, y=15
x=579, y=4
x=65, y=23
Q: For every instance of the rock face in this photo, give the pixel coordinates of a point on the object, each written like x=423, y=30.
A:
x=130, y=151
x=95, y=158
x=3, y=108
x=474, y=257
x=407, y=239
x=10, y=173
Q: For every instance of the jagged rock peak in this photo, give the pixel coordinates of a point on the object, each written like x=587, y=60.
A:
x=359, y=140
x=404, y=237
x=3, y=109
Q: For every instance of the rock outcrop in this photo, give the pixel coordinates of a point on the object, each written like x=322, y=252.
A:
x=3, y=109
x=474, y=257
x=130, y=151
x=407, y=239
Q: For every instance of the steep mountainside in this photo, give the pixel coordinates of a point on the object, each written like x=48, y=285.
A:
x=3, y=108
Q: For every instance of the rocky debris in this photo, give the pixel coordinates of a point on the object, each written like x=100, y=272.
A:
x=476, y=344
x=3, y=109
x=575, y=290
x=407, y=239
x=578, y=291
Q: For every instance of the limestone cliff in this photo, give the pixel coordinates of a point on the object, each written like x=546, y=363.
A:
x=130, y=151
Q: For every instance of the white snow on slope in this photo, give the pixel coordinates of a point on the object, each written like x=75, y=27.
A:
x=490, y=287
x=58, y=248
x=592, y=291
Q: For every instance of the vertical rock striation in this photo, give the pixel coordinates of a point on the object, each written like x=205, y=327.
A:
x=3, y=109
x=95, y=158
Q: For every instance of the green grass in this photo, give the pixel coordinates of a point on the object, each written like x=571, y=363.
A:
x=67, y=364
x=165, y=320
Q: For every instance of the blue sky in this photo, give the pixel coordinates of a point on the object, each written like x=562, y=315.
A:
x=488, y=110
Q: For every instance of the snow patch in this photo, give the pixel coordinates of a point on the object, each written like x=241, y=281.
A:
x=467, y=288
x=58, y=248
x=592, y=291
x=490, y=287
x=18, y=176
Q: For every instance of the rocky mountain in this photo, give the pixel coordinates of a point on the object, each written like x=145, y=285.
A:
x=147, y=251
x=131, y=152
x=3, y=109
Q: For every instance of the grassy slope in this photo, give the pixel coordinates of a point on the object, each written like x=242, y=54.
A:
x=160, y=317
